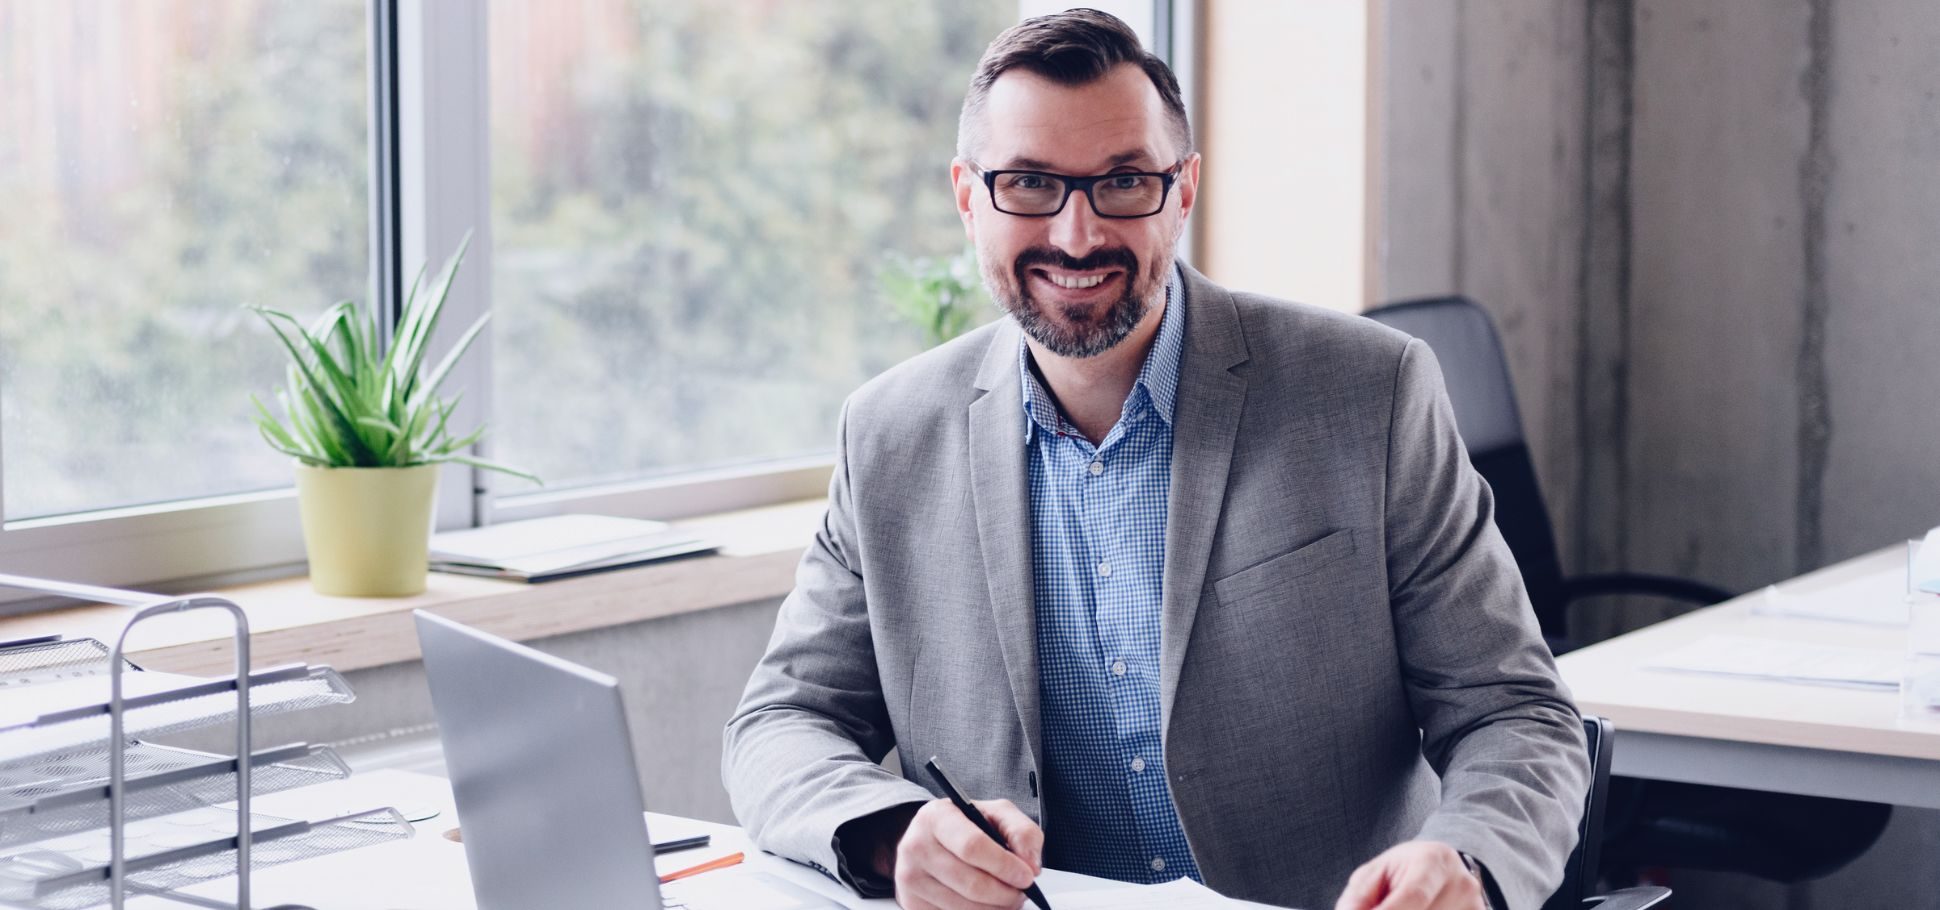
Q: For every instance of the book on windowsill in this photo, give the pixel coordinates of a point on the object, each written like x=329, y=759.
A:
x=560, y=546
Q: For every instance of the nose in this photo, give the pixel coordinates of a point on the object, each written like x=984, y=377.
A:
x=1077, y=231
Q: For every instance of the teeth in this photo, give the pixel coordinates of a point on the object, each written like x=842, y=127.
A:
x=1077, y=283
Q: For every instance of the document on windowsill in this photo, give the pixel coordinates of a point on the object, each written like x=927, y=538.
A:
x=1179, y=894
x=1786, y=661
x=1878, y=599
x=560, y=546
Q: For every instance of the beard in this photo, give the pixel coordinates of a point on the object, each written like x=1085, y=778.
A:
x=1074, y=331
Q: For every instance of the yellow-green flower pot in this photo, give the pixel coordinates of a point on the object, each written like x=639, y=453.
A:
x=367, y=529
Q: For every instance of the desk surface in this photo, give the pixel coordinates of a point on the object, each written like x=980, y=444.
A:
x=1609, y=679
x=428, y=872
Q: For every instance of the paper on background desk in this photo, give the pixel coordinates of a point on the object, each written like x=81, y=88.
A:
x=1179, y=894
x=1878, y=599
x=1786, y=661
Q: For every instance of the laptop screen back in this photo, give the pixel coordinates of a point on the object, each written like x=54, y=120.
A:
x=542, y=773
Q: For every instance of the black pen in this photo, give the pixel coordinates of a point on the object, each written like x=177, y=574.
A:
x=976, y=818
x=683, y=843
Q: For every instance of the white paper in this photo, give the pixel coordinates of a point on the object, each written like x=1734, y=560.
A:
x=1925, y=570
x=559, y=542
x=25, y=704
x=1878, y=599
x=1179, y=894
x=1786, y=661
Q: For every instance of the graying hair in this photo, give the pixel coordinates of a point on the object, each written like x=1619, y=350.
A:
x=1075, y=47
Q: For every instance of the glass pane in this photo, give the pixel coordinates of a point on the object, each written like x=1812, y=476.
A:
x=692, y=202
x=166, y=162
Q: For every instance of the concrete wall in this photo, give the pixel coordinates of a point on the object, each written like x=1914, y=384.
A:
x=1707, y=228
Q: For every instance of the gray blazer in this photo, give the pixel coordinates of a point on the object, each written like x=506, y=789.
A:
x=1349, y=659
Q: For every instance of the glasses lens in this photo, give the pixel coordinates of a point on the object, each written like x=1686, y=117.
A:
x=1028, y=194
x=1129, y=195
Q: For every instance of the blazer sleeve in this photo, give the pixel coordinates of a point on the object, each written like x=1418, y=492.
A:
x=802, y=751
x=1497, y=723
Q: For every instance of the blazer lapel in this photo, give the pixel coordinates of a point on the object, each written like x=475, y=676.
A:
x=1204, y=423
x=1000, y=487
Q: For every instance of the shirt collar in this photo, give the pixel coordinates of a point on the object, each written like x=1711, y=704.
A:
x=1158, y=377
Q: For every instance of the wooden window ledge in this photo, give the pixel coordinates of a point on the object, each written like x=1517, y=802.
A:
x=289, y=623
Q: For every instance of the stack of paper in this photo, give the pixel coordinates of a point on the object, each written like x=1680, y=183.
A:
x=1786, y=661
x=542, y=549
x=1180, y=894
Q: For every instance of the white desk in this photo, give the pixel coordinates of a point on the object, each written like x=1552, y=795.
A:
x=1757, y=734
x=428, y=872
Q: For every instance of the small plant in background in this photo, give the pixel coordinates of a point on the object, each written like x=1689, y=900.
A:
x=942, y=295
x=350, y=404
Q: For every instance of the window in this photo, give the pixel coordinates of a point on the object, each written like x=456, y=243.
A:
x=682, y=208
x=166, y=163
x=690, y=205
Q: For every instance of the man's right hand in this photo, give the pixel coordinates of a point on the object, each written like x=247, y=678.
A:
x=945, y=862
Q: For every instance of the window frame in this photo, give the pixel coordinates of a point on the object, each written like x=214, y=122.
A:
x=430, y=182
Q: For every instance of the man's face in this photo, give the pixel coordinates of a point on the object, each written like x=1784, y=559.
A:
x=1077, y=283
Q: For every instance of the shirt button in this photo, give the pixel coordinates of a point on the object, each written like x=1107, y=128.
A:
x=1158, y=864
x=1118, y=668
x=1104, y=568
x=1138, y=764
x=1097, y=467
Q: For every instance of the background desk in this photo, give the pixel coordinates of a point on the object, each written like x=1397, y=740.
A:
x=1761, y=735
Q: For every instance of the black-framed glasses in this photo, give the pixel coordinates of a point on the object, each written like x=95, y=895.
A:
x=1036, y=194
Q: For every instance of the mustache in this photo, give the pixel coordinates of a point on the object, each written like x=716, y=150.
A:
x=1097, y=259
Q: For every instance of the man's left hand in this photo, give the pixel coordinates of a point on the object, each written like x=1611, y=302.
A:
x=1417, y=875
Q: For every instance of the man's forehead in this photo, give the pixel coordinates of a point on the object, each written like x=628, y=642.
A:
x=1033, y=122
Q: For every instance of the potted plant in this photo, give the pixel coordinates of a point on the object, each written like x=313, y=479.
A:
x=943, y=296
x=368, y=432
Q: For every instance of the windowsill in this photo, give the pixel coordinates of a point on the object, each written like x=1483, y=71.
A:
x=289, y=623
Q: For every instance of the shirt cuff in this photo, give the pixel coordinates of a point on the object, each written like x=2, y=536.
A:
x=855, y=864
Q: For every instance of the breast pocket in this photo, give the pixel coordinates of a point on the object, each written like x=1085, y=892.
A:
x=1278, y=578
x=1278, y=635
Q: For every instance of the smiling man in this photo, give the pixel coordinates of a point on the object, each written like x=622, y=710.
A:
x=1184, y=581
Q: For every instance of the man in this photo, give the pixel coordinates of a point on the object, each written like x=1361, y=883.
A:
x=1184, y=581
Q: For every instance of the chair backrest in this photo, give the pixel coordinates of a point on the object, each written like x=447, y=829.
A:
x=1465, y=341
x=1579, y=871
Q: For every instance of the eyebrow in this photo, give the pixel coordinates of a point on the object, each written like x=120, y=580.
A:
x=1118, y=160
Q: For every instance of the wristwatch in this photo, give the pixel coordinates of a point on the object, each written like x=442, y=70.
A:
x=1475, y=868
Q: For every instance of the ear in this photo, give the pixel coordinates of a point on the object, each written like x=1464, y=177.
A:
x=1188, y=185
x=964, y=183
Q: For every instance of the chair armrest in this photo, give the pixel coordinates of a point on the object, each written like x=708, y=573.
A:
x=1628, y=899
x=1631, y=583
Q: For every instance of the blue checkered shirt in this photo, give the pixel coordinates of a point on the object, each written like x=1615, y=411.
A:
x=1098, y=557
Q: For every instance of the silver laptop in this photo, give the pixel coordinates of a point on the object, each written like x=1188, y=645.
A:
x=542, y=771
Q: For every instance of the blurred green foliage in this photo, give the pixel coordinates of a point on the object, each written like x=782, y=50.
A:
x=688, y=275
x=943, y=296
x=686, y=234
x=125, y=356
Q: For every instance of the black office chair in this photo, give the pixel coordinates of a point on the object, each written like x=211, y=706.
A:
x=1464, y=340
x=1776, y=836
x=1579, y=873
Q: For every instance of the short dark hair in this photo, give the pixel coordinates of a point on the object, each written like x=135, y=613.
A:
x=1074, y=47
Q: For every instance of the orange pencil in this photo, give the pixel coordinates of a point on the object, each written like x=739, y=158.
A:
x=731, y=859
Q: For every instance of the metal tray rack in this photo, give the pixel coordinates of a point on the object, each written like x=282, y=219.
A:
x=91, y=812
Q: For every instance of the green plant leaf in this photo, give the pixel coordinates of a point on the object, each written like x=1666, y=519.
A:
x=430, y=386
x=354, y=448
x=487, y=465
x=351, y=401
